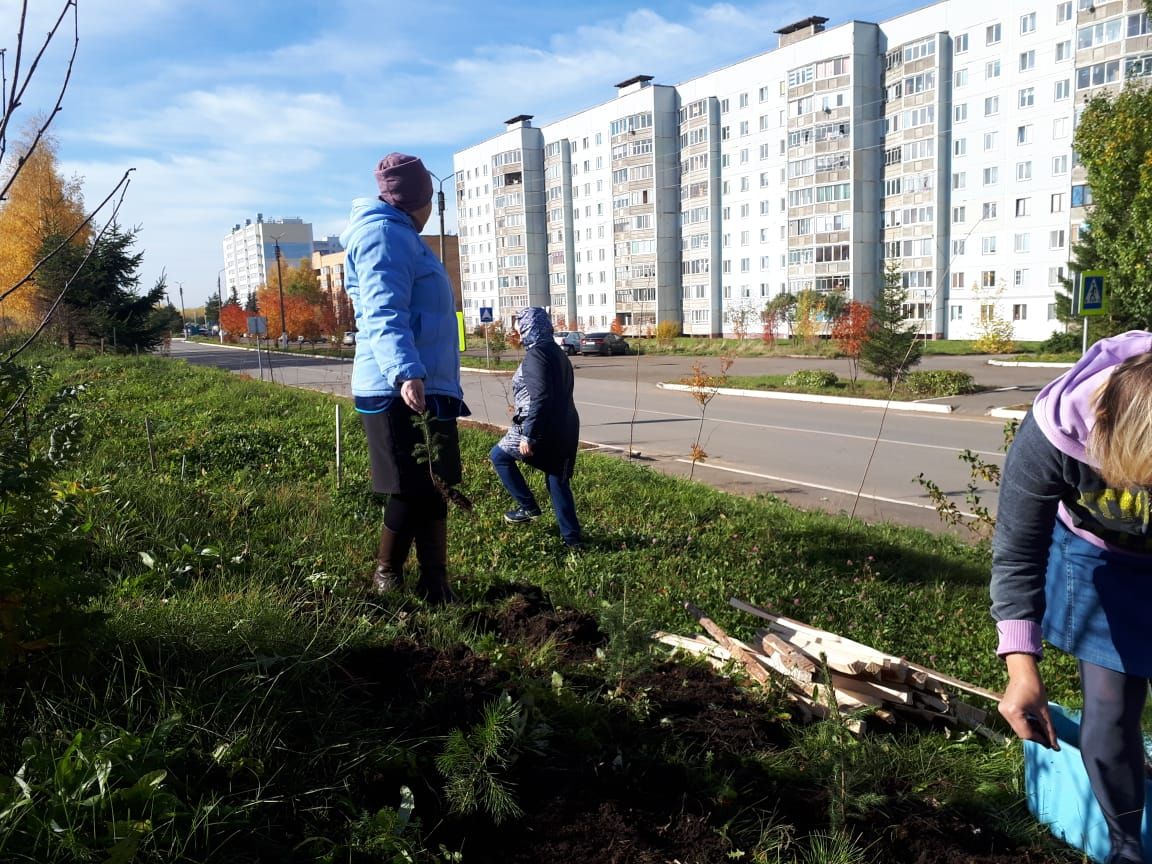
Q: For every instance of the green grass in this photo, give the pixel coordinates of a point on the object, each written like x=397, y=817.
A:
x=235, y=626
x=863, y=388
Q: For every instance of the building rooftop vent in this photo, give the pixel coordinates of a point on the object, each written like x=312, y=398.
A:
x=801, y=29
x=520, y=121
x=642, y=80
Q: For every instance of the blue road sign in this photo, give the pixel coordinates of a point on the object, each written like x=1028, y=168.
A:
x=1092, y=292
x=486, y=315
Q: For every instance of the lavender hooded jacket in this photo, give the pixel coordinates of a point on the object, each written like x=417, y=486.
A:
x=1049, y=476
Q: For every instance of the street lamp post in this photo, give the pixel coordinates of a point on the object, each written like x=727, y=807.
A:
x=183, y=325
x=280, y=279
x=440, y=210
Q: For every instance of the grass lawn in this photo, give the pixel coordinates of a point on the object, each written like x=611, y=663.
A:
x=863, y=388
x=244, y=700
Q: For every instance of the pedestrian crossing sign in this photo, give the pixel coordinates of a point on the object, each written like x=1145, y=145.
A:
x=1092, y=292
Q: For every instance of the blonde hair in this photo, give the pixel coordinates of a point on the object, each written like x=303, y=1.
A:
x=1121, y=441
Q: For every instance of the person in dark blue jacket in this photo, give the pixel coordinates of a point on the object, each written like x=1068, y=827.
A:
x=407, y=364
x=545, y=428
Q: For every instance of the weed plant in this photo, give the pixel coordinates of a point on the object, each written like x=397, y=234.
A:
x=243, y=700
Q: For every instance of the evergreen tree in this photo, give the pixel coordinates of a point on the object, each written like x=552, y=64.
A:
x=892, y=347
x=212, y=309
x=101, y=300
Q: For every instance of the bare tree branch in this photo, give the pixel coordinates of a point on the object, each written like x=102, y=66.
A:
x=63, y=291
x=123, y=182
x=19, y=87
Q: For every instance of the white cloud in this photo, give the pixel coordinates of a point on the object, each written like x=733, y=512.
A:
x=292, y=129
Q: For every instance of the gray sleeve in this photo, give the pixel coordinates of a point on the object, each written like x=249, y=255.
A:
x=1030, y=490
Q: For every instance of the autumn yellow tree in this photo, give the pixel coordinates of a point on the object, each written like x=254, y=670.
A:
x=40, y=204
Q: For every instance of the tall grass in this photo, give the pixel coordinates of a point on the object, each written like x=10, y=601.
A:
x=246, y=701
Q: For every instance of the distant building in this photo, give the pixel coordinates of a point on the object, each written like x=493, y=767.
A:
x=250, y=251
x=938, y=142
x=327, y=245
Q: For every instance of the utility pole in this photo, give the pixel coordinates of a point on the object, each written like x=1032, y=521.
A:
x=183, y=326
x=440, y=210
x=280, y=279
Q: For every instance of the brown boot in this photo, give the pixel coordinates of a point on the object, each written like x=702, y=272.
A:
x=432, y=553
x=390, y=557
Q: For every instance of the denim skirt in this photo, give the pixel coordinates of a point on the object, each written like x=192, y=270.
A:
x=1099, y=604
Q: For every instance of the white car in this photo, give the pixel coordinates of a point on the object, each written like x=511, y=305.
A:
x=349, y=337
x=569, y=340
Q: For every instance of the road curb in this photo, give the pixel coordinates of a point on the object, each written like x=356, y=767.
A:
x=1007, y=413
x=1026, y=364
x=890, y=404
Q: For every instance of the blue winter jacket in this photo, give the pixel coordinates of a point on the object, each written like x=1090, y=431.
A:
x=405, y=314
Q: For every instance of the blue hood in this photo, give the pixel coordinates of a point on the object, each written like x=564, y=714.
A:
x=534, y=326
x=368, y=210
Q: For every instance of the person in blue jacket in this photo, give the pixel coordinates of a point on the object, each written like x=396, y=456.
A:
x=545, y=428
x=1072, y=563
x=407, y=364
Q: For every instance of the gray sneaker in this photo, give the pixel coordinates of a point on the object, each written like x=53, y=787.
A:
x=521, y=515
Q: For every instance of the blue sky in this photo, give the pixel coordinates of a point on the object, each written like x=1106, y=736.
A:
x=227, y=109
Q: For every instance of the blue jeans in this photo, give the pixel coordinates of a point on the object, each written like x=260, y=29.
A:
x=508, y=470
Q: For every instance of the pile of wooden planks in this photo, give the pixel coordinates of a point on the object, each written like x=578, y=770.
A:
x=820, y=669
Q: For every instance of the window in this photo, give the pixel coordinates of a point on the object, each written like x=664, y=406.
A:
x=960, y=113
x=1095, y=35
x=1023, y=206
x=959, y=214
x=1020, y=277
x=1019, y=311
x=959, y=146
x=988, y=278
x=1028, y=23
x=1064, y=50
x=1062, y=89
x=960, y=44
x=958, y=246
x=1138, y=25
x=988, y=210
x=1060, y=127
x=959, y=180
x=989, y=140
x=992, y=69
x=991, y=176
x=744, y=127
x=743, y=100
x=1026, y=98
x=1064, y=11
x=1098, y=74
x=955, y=313
x=988, y=245
x=1024, y=134
x=919, y=50
x=1024, y=170
x=1056, y=203
x=1059, y=165
x=1027, y=60
x=1138, y=67
x=991, y=106
x=957, y=282
x=992, y=34
x=1021, y=242
x=1081, y=195
x=1056, y=239
x=961, y=77
x=1056, y=275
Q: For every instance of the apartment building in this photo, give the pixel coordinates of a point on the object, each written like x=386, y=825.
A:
x=250, y=251
x=937, y=143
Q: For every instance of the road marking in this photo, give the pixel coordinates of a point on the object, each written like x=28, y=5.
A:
x=869, y=438
x=850, y=492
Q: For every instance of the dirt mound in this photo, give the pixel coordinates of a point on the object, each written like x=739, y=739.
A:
x=523, y=614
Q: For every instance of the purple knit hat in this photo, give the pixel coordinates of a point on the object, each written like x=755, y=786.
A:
x=404, y=182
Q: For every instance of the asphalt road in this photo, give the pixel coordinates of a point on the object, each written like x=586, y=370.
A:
x=855, y=460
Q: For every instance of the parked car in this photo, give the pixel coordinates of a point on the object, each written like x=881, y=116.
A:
x=349, y=337
x=569, y=340
x=603, y=344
